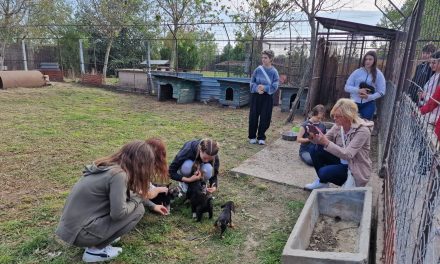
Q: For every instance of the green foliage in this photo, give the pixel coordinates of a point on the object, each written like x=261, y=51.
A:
x=243, y=41
x=196, y=50
x=394, y=18
x=207, y=50
x=267, y=13
x=187, y=53
x=180, y=12
x=108, y=18
x=49, y=12
x=430, y=21
x=430, y=27
x=70, y=48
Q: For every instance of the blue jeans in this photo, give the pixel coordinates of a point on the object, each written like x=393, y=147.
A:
x=304, y=153
x=328, y=167
x=366, y=110
x=186, y=170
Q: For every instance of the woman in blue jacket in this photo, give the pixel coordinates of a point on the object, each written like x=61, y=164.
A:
x=365, y=85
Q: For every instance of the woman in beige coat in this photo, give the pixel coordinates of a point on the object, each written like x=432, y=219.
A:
x=346, y=146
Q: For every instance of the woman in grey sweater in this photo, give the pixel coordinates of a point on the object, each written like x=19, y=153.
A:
x=107, y=201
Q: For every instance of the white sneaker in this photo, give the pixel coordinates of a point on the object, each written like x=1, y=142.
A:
x=253, y=141
x=98, y=255
x=261, y=142
x=316, y=185
x=116, y=240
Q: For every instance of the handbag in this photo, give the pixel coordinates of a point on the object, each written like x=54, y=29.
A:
x=349, y=183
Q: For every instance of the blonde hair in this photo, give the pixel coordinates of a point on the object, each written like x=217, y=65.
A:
x=348, y=108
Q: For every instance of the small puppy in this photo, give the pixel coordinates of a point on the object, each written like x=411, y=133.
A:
x=201, y=201
x=166, y=198
x=225, y=218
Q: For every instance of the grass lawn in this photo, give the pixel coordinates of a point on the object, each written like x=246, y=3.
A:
x=49, y=134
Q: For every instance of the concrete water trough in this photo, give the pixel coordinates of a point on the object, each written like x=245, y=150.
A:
x=351, y=207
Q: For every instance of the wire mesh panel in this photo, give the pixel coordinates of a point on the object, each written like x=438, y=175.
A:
x=411, y=181
x=409, y=142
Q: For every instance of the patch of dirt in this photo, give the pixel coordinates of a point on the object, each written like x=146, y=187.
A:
x=334, y=235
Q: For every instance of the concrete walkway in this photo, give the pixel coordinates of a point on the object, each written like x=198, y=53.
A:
x=278, y=162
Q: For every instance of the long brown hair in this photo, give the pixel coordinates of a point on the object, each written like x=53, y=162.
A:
x=137, y=160
x=208, y=146
x=373, y=69
x=160, y=157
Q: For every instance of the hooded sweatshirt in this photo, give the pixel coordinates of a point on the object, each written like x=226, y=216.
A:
x=357, y=150
x=100, y=192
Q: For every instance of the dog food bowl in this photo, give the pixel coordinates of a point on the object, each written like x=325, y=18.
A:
x=289, y=136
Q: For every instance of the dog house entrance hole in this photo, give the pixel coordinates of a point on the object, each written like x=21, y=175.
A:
x=229, y=94
x=166, y=92
x=292, y=98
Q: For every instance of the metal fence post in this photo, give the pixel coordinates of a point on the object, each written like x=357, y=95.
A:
x=23, y=48
x=81, y=57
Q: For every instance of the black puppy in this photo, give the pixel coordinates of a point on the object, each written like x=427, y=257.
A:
x=166, y=198
x=201, y=201
x=225, y=218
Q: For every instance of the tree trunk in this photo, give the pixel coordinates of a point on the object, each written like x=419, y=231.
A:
x=2, y=55
x=305, y=81
x=174, y=55
x=313, y=96
x=5, y=37
x=107, y=54
x=173, y=58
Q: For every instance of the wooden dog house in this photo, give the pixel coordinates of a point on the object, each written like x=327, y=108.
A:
x=234, y=91
x=288, y=95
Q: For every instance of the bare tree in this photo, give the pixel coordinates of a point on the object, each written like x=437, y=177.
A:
x=108, y=17
x=12, y=13
x=178, y=13
x=310, y=8
x=262, y=17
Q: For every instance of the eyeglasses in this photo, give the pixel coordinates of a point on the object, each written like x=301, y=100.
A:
x=337, y=116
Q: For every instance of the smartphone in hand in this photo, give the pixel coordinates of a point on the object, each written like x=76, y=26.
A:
x=313, y=129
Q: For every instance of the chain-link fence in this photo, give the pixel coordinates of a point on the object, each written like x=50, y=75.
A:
x=408, y=142
x=213, y=49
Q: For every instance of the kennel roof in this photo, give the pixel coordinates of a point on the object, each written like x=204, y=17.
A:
x=358, y=28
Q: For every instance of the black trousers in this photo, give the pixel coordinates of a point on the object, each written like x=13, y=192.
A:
x=260, y=114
